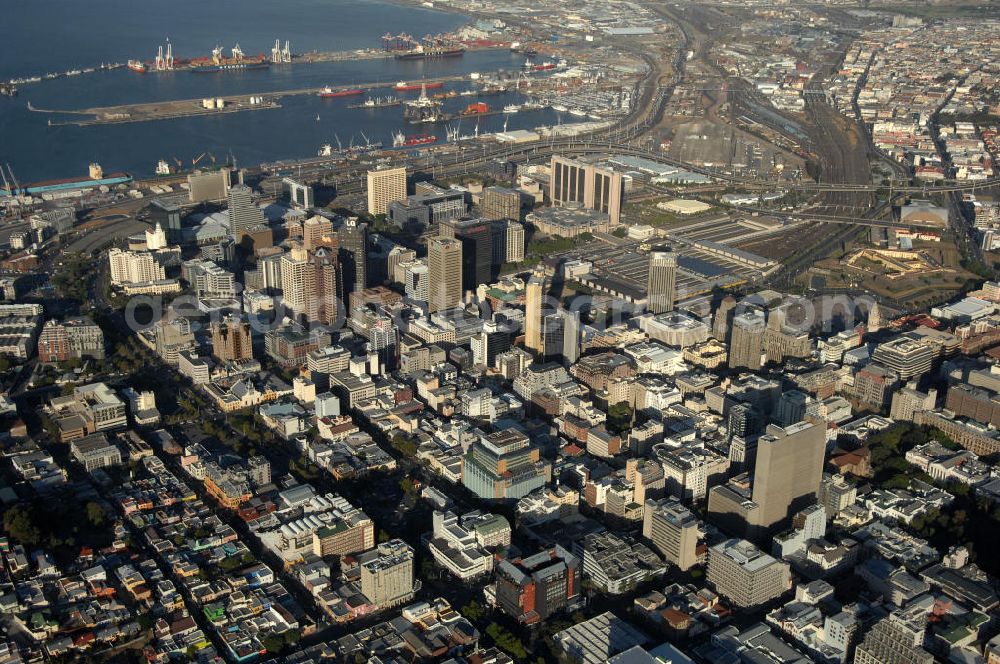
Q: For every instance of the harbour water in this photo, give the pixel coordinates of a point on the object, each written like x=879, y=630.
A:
x=55, y=35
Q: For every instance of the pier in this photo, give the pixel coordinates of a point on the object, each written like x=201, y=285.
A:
x=182, y=108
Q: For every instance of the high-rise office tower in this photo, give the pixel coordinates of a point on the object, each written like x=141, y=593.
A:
x=297, y=280
x=231, y=339
x=315, y=229
x=416, y=281
x=561, y=336
x=444, y=273
x=595, y=187
x=553, y=332
x=309, y=284
x=168, y=217
x=385, y=186
x=786, y=478
x=269, y=268
x=788, y=470
x=723, y=320
x=352, y=241
x=244, y=214
x=476, y=236
x=325, y=266
x=489, y=343
x=661, y=287
x=533, y=296
x=674, y=530
x=746, y=343
x=508, y=242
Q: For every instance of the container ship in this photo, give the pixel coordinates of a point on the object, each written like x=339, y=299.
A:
x=137, y=66
x=238, y=62
x=403, y=86
x=328, y=92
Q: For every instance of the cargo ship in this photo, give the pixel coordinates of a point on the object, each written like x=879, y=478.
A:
x=403, y=86
x=230, y=66
x=238, y=62
x=328, y=92
x=137, y=66
x=545, y=66
x=400, y=140
x=424, y=53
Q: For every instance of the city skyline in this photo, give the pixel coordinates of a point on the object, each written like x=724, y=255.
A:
x=501, y=333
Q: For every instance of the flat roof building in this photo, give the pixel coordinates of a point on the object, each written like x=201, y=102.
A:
x=385, y=186
x=745, y=575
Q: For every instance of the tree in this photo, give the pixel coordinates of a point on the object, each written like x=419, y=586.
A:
x=404, y=445
x=273, y=643
x=619, y=418
x=19, y=524
x=506, y=641
x=473, y=611
x=95, y=514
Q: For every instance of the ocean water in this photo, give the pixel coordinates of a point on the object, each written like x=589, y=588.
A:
x=57, y=35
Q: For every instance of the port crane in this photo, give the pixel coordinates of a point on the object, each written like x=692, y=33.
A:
x=16, y=192
x=281, y=55
x=164, y=62
x=400, y=42
x=180, y=164
x=194, y=162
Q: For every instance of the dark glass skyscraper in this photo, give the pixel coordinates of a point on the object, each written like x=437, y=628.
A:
x=352, y=238
x=476, y=236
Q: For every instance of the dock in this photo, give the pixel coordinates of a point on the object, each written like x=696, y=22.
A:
x=182, y=108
